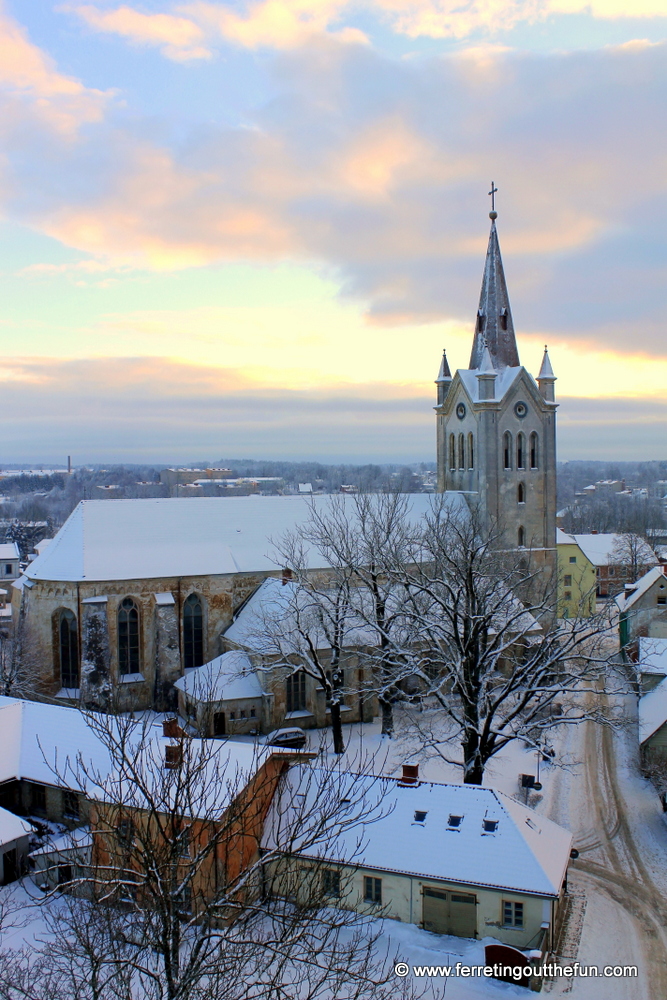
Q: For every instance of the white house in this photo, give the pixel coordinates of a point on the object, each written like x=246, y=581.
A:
x=10, y=556
x=454, y=859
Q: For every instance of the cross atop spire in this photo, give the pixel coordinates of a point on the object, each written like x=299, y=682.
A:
x=494, y=317
x=494, y=190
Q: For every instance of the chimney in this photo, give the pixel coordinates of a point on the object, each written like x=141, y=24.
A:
x=286, y=576
x=171, y=729
x=594, y=531
x=69, y=465
x=173, y=756
x=410, y=775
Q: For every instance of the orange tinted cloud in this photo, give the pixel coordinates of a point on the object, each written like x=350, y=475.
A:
x=177, y=37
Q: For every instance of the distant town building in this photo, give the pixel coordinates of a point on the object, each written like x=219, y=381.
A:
x=577, y=580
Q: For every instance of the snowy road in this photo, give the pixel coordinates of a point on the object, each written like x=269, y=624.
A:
x=621, y=871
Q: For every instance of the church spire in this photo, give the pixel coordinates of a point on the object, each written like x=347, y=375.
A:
x=494, y=316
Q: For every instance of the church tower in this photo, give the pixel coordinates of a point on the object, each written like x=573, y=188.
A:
x=496, y=424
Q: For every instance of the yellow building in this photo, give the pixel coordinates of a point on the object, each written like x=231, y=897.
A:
x=576, y=579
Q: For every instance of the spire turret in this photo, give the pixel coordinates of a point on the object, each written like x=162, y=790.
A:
x=444, y=379
x=494, y=316
x=546, y=378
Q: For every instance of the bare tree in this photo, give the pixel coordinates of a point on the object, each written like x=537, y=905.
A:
x=634, y=554
x=498, y=668
x=174, y=900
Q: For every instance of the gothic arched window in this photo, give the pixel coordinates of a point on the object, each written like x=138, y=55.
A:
x=507, y=450
x=520, y=451
x=471, y=451
x=521, y=537
x=452, y=452
x=68, y=646
x=128, y=637
x=295, y=692
x=193, y=631
x=521, y=493
x=462, y=452
x=534, y=451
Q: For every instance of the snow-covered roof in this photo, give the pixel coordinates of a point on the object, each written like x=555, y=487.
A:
x=80, y=839
x=525, y=852
x=282, y=611
x=630, y=597
x=9, y=550
x=652, y=655
x=229, y=677
x=602, y=549
x=153, y=538
x=562, y=538
x=45, y=743
x=505, y=379
x=652, y=711
x=12, y=827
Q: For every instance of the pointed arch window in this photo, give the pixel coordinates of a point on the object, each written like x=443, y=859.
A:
x=520, y=451
x=521, y=537
x=507, y=450
x=521, y=493
x=452, y=452
x=68, y=646
x=128, y=638
x=295, y=692
x=480, y=321
x=193, y=631
x=462, y=452
x=534, y=451
x=503, y=319
x=471, y=451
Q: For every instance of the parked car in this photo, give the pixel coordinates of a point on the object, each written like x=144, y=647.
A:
x=293, y=738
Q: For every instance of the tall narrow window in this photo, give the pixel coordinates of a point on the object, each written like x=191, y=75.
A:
x=520, y=451
x=507, y=449
x=521, y=537
x=296, y=692
x=462, y=452
x=521, y=493
x=534, y=453
x=69, y=650
x=503, y=319
x=471, y=451
x=128, y=637
x=193, y=632
x=452, y=452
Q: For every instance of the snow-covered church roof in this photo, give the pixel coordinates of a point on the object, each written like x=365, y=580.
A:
x=202, y=536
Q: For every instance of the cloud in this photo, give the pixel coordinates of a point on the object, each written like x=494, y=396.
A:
x=157, y=409
x=30, y=76
x=178, y=38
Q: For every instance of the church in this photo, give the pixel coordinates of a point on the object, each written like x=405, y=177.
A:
x=132, y=595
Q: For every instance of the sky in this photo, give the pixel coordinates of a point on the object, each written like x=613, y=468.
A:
x=249, y=228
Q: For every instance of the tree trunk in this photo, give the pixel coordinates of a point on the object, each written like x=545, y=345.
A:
x=337, y=727
x=387, y=713
x=473, y=766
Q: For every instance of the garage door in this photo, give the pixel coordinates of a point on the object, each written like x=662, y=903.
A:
x=447, y=912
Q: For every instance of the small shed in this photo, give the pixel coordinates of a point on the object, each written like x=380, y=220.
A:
x=223, y=697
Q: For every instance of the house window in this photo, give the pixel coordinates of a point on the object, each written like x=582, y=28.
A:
x=68, y=645
x=38, y=799
x=520, y=451
x=331, y=882
x=70, y=804
x=471, y=451
x=296, y=692
x=8, y=569
x=512, y=914
x=489, y=825
x=662, y=599
x=64, y=874
x=611, y=571
x=193, y=632
x=126, y=832
x=507, y=450
x=521, y=537
x=534, y=451
x=462, y=452
x=521, y=493
x=128, y=637
x=567, y=580
x=573, y=559
x=454, y=822
x=372, y=889
x=567, y=595
x=452, y=452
